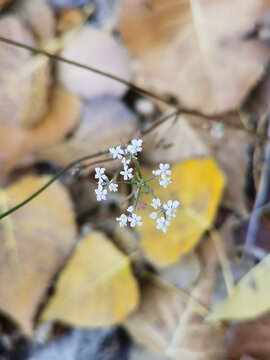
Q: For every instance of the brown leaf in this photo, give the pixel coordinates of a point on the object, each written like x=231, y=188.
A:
x=104, y=122
x=17, y=143
x=4, y=3
x=35, y=242
x=251, y=338
x=174, y=140
x=24, y=78
x=93, y=47
x=230, y=152
x=38, y=15
x=196, y=50
x=171, y=326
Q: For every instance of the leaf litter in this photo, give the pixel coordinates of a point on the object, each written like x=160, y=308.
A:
x=208, y=56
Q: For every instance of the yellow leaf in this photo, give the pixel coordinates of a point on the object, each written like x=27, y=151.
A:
x=249, y=299
x=96, y=288
x=34, y=244
x=198, y=185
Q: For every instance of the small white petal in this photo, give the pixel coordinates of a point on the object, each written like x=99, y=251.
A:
x=153, y=215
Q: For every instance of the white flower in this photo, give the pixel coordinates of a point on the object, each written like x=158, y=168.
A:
x=101, y=193
x=164, y=170
x=127, y=173
x=135, y=220
x=122, y=220
x=125, y=162
x=130, y=209
x=113, y=187
x=100, y=174
x=134, y=147
x=162, y=224
x=117, y=152
x=156, y=203
x=165, y=182
x=153, y=215
x=171, y=208
x=156, y=172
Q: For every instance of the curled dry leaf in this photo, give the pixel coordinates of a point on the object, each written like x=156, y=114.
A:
x=24, y=78
x=174, y=140
x=18, y=143
x=198, y=185
x=35, y=242
x=96, y=288
x=97, y=49
x=250, y=297
x=104, y=122
x=196, y=50
x=171, y=325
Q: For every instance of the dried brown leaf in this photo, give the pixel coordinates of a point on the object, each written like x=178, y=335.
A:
x=196, y=50
x=169, y=324
x=24, y=78
x=174, y=140
x=104, y=122
x=251, y=338
x=18, y=143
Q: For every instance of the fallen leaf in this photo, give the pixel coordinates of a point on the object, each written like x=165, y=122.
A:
x=92, y=47
x=69, y=18
x=251, y=338
x=18, y=143
x=198, y=184
x=249, y=298
x=174, y=140
x=38, y=15
x=196, y=50
x=171, y=325
x=96, y=288
x=4, y=3
x=24, y=78
x=104, y=122
x=188, y=266
x=230, y=152
x=35, y=242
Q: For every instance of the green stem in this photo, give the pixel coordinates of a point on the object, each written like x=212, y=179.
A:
x=126, y=182
x=137, y=197
x=152, y=178
x=138, y=169
x=53, y=179
x=150, y=192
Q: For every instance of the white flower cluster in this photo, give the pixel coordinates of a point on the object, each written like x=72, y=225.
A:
x=132, y=218
x=127, y=156
x=103, y=180
x=162, y=173
x=168, y=211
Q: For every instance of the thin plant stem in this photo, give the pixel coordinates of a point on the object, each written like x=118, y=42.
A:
x=137, y=165
x=126, y=182
x=150, y=192
x=137, y=197
x=86, y=67
x=52, y=180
